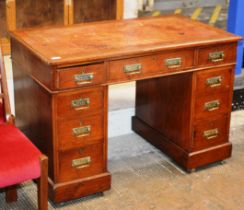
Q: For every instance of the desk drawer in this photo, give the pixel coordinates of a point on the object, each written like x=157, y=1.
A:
x=80, y=76
x=206, y=106
x=216, y=55
x=133, y=68
x=81, y=163
x=212, y=81
x=78, y=132
x=211, y=132
x=79, y=103
x=176, y=60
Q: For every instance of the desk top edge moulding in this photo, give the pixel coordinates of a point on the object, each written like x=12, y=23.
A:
x=184, y=73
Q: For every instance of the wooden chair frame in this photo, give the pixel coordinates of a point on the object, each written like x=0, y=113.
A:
x=42, y=181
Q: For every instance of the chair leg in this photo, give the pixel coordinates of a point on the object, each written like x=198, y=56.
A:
x=11, y=194
x=42, y=184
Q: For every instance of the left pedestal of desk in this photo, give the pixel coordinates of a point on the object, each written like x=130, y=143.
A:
x=66, y=118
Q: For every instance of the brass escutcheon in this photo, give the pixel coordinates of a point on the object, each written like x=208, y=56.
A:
x=216, y=56
x=81, y=162
x=214, y=81
x=173, y=62
x=211, y=134
x=81, y=103
x=83, y=78
x=81, y=131
x=133, y=68
x=212, y=105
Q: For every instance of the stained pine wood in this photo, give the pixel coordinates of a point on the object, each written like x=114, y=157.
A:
x=169, y=99
x=109, y=40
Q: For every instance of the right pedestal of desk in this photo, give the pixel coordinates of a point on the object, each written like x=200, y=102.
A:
x=187, y=115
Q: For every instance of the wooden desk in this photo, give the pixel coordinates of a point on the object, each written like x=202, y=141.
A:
x=184, y=73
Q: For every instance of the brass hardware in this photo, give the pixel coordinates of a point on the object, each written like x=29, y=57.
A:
x=216, y=56
x=81, y=162
x=133, y=69
x=173, y=62
x=82, y=131
x=214, y=81
x=211, y=134
x=81, y=103
x=81, y=79
x=212, y=105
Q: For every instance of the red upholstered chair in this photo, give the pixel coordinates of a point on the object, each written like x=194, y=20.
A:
x=20, y=160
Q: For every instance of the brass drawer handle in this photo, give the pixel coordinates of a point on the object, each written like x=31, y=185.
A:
x=81, y=131
x=214, y=81
x=81, y=79
x=81, y=103
x=216, y=56
x=173, y=62
x=81, y=162
x=212, y=105
x=133, y=69
x=211, y=134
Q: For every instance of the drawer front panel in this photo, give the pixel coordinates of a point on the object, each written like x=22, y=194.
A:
x=210, y=81
x=133, y=68
x=206, y=106
x=130, y=69
x=86, y=75
x=80, y=132
x=211, y=133
x=176, y=61
x=216, y=55
x=81, y=163
x=79, y=103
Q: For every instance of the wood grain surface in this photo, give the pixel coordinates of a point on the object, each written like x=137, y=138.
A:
x=111, y=39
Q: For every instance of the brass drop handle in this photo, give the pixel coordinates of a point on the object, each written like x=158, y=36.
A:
x=212, y=105
x=81, y=162
x=81, y=131
x=211, y=134
x=216, y=56
x=173, y=63
x=81, y=103
x=214, y=81
x=83, y=78
x=133, y=68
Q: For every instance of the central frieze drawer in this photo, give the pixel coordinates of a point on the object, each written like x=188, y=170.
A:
x=79, y=103
x=80, y=131
x=81, y=76
x=133, y=68
x=80, y=162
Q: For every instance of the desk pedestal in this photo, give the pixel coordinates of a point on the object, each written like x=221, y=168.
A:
x=169, y=116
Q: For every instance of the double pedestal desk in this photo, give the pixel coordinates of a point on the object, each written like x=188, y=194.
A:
x=184, y=83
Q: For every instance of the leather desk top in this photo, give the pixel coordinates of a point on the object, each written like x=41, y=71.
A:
x=114, y=39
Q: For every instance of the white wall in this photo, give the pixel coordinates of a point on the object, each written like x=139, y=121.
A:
x=130, y=8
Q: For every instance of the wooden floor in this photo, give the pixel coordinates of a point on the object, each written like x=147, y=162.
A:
x=145, y=179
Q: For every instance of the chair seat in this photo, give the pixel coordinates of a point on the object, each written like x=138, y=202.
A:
x=13, y=143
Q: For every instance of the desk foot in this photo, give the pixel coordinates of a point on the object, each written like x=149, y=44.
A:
x=62, y=192
x=187, y=160
x=191, y=170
